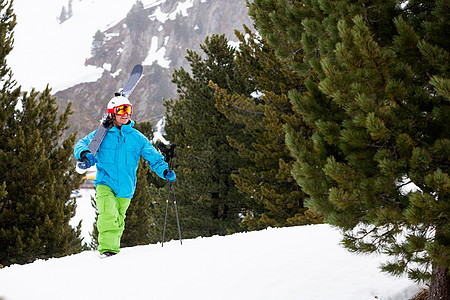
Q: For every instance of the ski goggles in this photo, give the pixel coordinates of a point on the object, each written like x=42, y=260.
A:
x=122, y=109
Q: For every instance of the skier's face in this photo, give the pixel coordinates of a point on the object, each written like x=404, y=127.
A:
x=120, y=120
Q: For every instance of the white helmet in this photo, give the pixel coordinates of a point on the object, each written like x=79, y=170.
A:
x=117, y=101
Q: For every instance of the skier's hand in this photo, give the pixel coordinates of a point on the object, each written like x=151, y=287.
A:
x=170, y=176
x=88, y=158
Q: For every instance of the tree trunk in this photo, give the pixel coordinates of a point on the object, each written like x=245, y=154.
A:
x=440, y=285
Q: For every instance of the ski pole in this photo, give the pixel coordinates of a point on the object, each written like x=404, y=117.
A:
x=165, y=216
x=176, y=214
x=169, y=154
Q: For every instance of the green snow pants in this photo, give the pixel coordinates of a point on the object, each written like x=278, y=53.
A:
x=111, y=218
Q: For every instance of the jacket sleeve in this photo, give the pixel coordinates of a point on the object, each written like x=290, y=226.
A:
x=154, y=158
x=82, y=144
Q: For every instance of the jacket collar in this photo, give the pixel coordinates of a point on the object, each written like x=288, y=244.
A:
x=125, y=128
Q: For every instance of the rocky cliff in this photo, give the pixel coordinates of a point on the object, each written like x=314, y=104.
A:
x=157, y=37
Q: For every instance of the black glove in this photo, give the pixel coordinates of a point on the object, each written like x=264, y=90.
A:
x=88, y=158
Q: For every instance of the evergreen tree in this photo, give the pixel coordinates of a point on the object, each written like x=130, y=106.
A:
x=66, y=13
x=70, y=9
x=208, y=199
x=38, y=174
x=137, y=18
x=377, y=78
x=278, y=200
x=94, y=235
x=97, y=45
x=63, y=16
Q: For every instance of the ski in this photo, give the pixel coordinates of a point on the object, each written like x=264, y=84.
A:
x=135, y=76
x=100, y=134
x=106, y=123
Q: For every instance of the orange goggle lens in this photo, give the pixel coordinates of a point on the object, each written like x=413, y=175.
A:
x=123, y=109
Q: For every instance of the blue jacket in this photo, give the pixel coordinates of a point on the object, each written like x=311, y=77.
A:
x=118, y=158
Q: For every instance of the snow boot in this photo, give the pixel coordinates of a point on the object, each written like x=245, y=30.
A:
x=108, y=254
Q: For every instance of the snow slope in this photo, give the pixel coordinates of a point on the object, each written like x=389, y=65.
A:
x=279, y=263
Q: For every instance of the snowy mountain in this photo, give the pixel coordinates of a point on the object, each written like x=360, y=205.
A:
x=156, y=35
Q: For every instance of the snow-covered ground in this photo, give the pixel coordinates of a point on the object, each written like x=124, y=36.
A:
x=85, y=213
x=285, y=263
x=159, y=132
x=295, y=263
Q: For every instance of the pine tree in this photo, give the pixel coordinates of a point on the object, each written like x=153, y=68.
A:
x=70, y=9
x=97, y=45
x=278, y=200
x=63, y=16
x=94, y=234
x=137, y=19
x=208, y=200
x=38, y=174
x=377, y=79
x=34, y=220
x=66, y=13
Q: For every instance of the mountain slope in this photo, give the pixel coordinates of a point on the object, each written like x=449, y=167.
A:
x=284, y=263
x=159, y=41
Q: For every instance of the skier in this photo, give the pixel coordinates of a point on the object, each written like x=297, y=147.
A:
x=117, y=162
